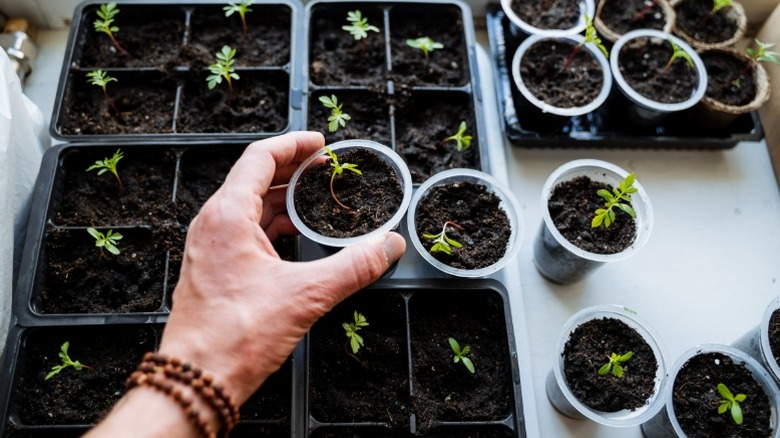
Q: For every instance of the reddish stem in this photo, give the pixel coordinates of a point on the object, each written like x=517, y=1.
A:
x=744, y=70
x=110, y=101
x=333, y=193
x=571, y=57
x=453, y=224
x=639, y=15
x=664, y=71
x=117, y=45
x=243, y=24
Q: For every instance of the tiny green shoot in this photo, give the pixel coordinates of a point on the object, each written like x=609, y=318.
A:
x=223, y=68
x=441, y=242
x=355, y=340
x=108, y=165
x=622, y=196
x=463, y=141
x=337, y=117
x=242, y=8
x=358, y=26
x=66, y=362
x=101, y=79
x=759, y=54
x=338, y=169
x=615, y=364
x=107, y=241
x=107, y=13
x=717, y=5
x=425, y=44
x=461, y=354
x=731, y=402
x=590, y=37
x=677, y=53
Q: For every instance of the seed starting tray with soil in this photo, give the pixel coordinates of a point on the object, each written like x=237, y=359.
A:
x=609, y=125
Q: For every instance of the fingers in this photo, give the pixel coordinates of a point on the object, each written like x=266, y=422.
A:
x=280, y=225
x=274, y=203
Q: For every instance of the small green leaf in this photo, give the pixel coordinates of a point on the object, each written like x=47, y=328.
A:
x=605, y=369
x=736, y=413
x=724, y=406
x=724, y=392
x=469, y=364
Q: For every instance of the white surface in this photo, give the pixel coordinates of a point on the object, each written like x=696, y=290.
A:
x=706, y=275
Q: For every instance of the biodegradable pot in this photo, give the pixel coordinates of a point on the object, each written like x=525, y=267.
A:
x=616, y=17
x=725, y=365
x=532, y=63
x=758, y=342
x=721, y=30
x=465, y=196
x=561, y=261
x=548, y=23
x=647, y=110
x=632, y=331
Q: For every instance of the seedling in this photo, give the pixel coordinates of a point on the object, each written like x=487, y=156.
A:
x=107, y=241
x=730, y=402
x=223, y=68
x=104, y=24
x=460, y=354
x=759, y=54
x=337, y=117
x=463, y=141
x=441, y=242
x=678, y=53
x=101, y=79
x=242, y=8
x=717, y=5
x=622, y=196
x=590, y=37
x=615, y=364
x=66, y=362
x=338, y=169
x=425, y=44
x=108, y=165
x=642, y=12
x=358, y=26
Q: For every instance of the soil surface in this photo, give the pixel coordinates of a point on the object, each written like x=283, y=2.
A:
x=447, y=391
x=774, y=335
x=375, y=388
x=423, y=121
x=254, y=430
x=696, y=399
x=369, y=112
x=590, y=346
x=273, y=401
x=542, y=70
x=486, y=228
x=373, y=197
x=77, y=397
x=622, y=16
x=693, y=18
x=642, y=64
x=201, y=172
x=722, y=71
x=572, y=206
x=548, y=14
x=44, y=432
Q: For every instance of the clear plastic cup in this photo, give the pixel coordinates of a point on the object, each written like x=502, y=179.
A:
x=756, y=342
x=586, y=7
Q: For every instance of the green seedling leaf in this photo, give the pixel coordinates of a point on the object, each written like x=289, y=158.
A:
x=338, y=169
x=65, y=362
x=605, y=216
x=337, y=117
x=107, y=241
x=442, y=242
x=223, y=69
x=358, y=25
x=460, y=354
x=615, y=364
x=351, y=329
x=108, y=165
x=242, y=8
x=461, y=140
x=425, y=44
x=731, y=403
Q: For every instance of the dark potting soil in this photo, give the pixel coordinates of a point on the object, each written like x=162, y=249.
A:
x=485, y=224
x=694, y=20
x=369, y=112
x=722, y=71
x=542, y=70
x=337, y=59
x=373, y=197
x=774, y=335
x=254, y=430
x=590, y=346
x=696, y=399
x=77, y=397
x=342, y=389
x=622, y=16
x=548, y=14
x=447, y=391
x=572, y=206
x=272, y=402
x=423, y=121
x=472, y=432
x=642, y=62
x=201, y=173
x=354, y=432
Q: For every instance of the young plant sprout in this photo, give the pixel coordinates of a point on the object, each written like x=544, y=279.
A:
x=615, y=364
x=460, y=354
x=463, y=141
x=590, y=37
x=66, y=362
x=104, y=24
x=101, y=79
x=337, y=117
x=730, y=402
x=358, y=25
x=242, y=8
x=354, y=340
x=622, y=196
x=107, y=241
x=223, y=68
x=642, y=12
x=338, y=169
x=443, y=243
x=759, y=54
x=108, y=165
x=425, y=44
x=717, y=5
x=678, y=53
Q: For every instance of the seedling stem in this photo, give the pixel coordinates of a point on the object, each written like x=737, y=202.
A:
x=425, y=44
x=759, y=54
x=107, y=12
x=223, y=68
x=109, y=165
x=338, y=169
x=242, y=8
x=622, y=196
x=678, y=53
x=101, y=79
x=639, y=15
x=590, y=37
x=443, y=243
x=66, y=362
x=463, y=141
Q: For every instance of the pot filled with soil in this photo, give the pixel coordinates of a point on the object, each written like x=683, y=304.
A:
x=465, y=223
x=552, y=18
x=609, y=368
x=716, y=390
x=708, y=24
x=763, y=342
x=583, y=226
x=614, y=18
x=658, y=73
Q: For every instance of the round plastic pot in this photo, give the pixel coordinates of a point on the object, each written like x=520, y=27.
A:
x=664, y=424
x=586, y=7
x=756, y=342
x=736, y=12
x=561, y=396
x=392, y=158
x=561, y=261
x=646, y=111
x=611, y=35
x=508, y=203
